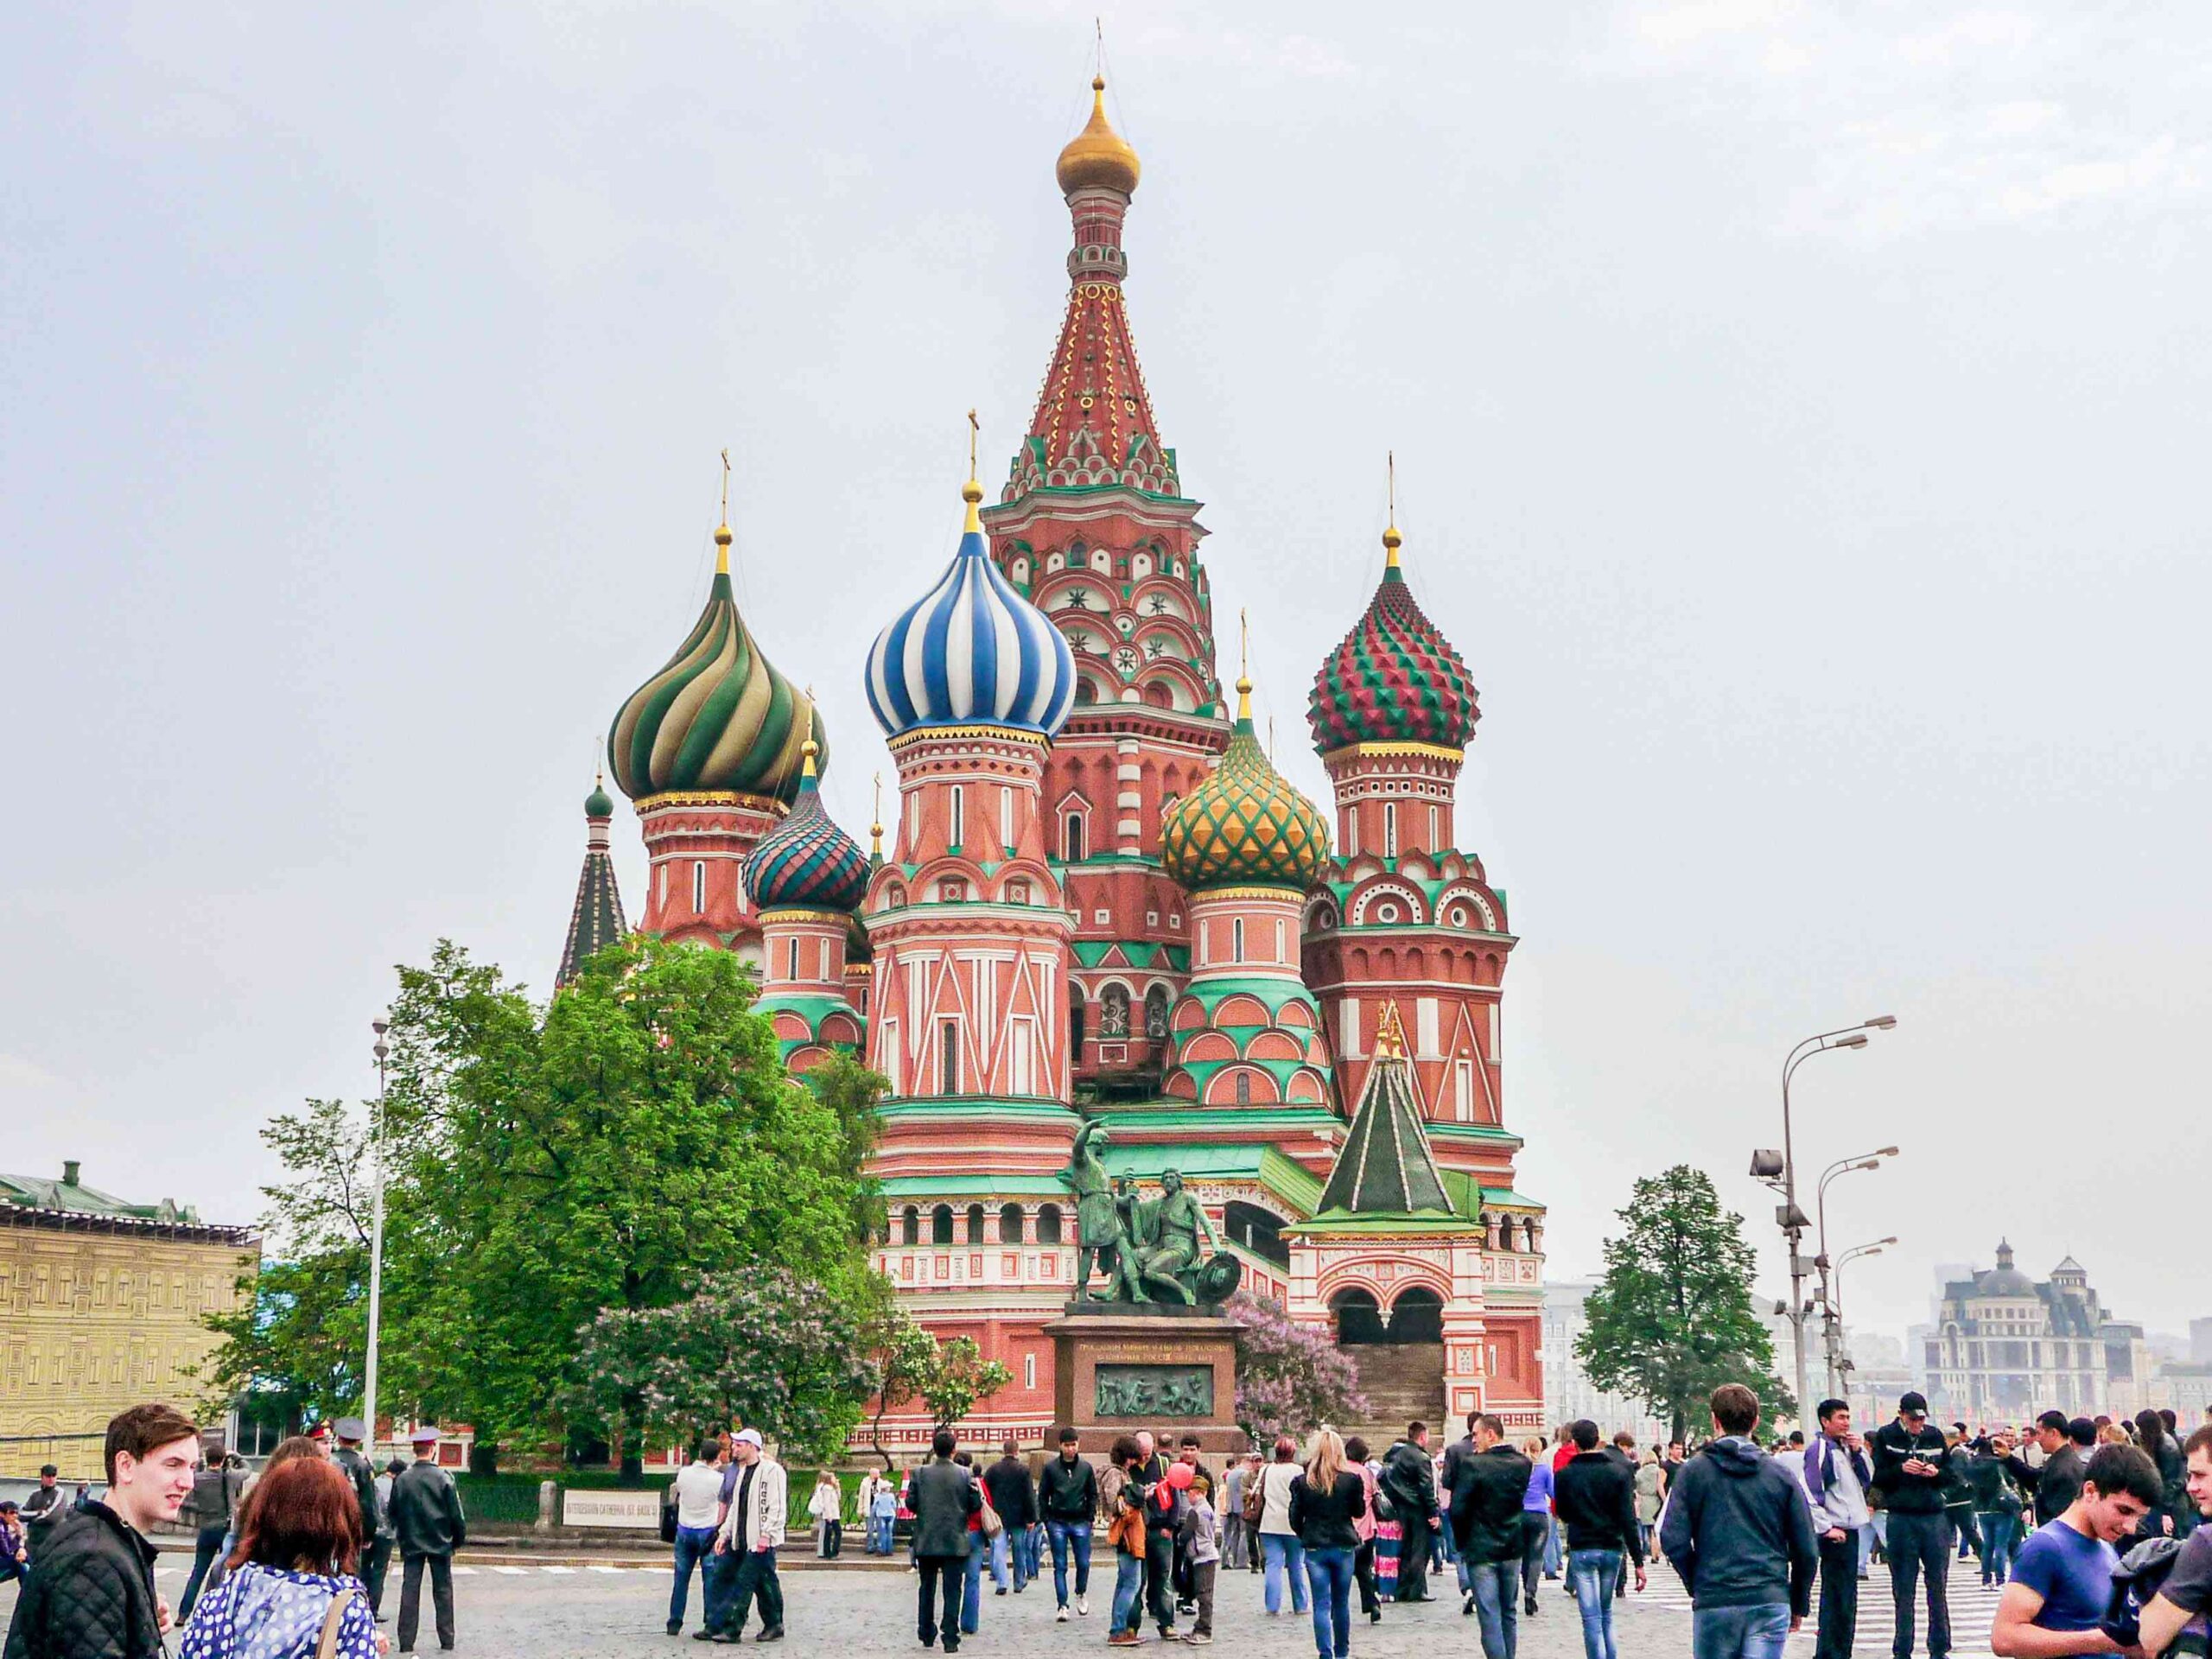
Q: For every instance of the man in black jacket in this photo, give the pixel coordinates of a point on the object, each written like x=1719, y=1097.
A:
x=1007, y=1482
x=1408, y=1480
x=1486, y=1486
x=943, y=1495
x=376, y=1551
x=427, y=1520
x=1067, y=1494
x=91, y=1594
x=1595, y=1500
x=1912, y=1465
x=1740, y=1532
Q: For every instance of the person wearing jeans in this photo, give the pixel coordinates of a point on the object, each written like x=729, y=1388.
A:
x=1912, y=1465
x=1537, y=1542
x=1071, y=1538
x=1740, y=1530
x=1280, y=1550
x=1489, y=1483
x=1590, y=1574
x=1326, y=1501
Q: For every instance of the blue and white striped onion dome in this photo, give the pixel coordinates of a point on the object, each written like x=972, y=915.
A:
x=972, y=651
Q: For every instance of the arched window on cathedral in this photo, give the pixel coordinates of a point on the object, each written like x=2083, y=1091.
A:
x=1048, y=1223
x=1010, y=1225
x=1155, y=1012
x=1243, y=1088
x=1236, y=938
x=911, y=1225
x=974, y=1223
x=941, y=1225
x=1114, y=1012
x=1071, y=838
x=1075, y=1022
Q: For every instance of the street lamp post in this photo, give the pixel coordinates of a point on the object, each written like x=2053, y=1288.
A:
x=1834, y=1306
x=1829, y=1320
x=1780, y=1169
x=382, y=1050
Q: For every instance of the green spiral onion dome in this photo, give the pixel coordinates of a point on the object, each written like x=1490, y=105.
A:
x=1394, y=678
x=1245, y=826
x=718, y=717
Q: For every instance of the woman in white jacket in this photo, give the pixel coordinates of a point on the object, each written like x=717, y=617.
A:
x=827, y=1506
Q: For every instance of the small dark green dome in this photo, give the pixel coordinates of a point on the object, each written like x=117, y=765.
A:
x=599, y=803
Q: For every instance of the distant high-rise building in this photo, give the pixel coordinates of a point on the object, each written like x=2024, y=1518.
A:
x=2200, y=1341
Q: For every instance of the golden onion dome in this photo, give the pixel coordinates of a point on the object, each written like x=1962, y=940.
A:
x=1245, y=826
x=1098, y=155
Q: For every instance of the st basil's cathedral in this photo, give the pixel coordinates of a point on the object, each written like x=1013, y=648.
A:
x=1100, y=901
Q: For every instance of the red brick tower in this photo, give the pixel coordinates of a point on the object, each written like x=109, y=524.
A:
x=1093, y=527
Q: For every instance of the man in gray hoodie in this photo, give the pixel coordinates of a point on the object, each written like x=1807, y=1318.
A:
x=1738, y=1532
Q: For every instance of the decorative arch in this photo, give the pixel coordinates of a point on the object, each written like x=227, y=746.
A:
x=1358, y=1317
x=1388, y=904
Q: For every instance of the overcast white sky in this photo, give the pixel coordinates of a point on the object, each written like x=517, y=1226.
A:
x=1801, y=423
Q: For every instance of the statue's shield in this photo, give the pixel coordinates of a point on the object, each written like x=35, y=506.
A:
x=1219, y=1279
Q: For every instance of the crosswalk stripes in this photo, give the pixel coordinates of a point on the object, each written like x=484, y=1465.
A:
x=1972, y=1608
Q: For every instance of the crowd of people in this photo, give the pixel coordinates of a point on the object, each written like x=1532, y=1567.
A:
x=2098, y=1533
x=289, y=1561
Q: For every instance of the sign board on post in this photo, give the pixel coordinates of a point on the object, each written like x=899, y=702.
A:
x=630, y=1509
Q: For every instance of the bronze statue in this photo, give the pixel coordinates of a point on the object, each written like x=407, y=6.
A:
x=1141, y=1246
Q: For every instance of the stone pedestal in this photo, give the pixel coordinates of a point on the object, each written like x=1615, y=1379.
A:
x=1123, y=1366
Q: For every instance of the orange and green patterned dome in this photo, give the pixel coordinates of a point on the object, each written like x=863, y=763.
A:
x=1394, y=678
x=1245, y=826
x=718, y=718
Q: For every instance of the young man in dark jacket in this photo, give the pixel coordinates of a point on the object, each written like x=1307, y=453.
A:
x=1595, y=1495
x=1486, y=1486
x=1408, y=1480
x=1912, y=1465
x=1007, y=1482
x=1067, y=1494
x=91, y=1595
x=1738, y=1531
x=2058, y=1482
x=943, y=1495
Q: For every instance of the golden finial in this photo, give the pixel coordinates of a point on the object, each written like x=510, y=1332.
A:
x=875, y=829
x=808, y=749
x=1391, y=539
x=1390, y=1034
x=971, y=492
x=722, y=531
x=1244, y=666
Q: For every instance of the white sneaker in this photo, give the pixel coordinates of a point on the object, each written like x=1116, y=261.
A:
x=1060, y=1618
x=1083, y=1606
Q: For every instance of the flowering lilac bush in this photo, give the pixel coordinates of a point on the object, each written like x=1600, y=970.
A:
x=1291, y=1378
x=767, y=1348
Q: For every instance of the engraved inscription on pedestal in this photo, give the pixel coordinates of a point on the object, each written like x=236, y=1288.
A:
x=1171, y=1391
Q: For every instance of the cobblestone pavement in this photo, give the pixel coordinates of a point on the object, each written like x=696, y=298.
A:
x=533, y=1610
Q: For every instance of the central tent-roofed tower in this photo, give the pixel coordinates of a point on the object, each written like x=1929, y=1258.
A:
x=1093, y=527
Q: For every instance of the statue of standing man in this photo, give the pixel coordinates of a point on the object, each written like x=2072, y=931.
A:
x=1099, y=1237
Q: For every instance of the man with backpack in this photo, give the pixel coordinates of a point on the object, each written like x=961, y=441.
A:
x=2183, y=1606
x=376, y=1549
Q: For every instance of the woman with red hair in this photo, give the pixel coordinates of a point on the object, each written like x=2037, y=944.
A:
x=290, y=1593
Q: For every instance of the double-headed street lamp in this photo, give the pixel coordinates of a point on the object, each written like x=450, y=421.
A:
x=382, y=1050
x=1833, y=1304
x=1779, y=1171
x=1830, y=1319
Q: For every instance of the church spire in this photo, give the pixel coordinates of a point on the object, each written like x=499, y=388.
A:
x=595, y=921
x=1094, y=425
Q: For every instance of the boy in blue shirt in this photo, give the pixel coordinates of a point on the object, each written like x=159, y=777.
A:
x=2061, y=1582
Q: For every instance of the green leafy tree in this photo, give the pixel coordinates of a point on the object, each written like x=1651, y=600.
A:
x=765, y=1348
x=903, y=1356
x=609, y=1150
x=298, y=1339
x=957, y=1379
x=1673, y=1319
x=606, y=1152
x=1291, y=1378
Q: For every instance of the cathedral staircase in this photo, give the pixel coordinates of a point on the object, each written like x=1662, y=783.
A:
x=1402, y=1381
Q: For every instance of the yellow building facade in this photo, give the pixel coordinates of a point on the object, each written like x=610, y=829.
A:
x=103, y=1305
